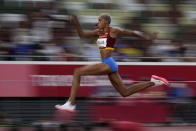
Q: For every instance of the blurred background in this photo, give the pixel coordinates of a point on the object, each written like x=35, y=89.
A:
x=39, y=50
x=36, y=29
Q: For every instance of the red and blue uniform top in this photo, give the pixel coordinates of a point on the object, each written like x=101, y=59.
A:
x=105, y=41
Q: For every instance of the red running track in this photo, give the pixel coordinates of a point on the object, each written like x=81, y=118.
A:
x=173, y=128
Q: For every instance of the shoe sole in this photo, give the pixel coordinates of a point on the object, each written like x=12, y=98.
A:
x=65, y=110
x=161, y=79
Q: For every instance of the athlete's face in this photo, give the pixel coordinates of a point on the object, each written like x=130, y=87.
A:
x=101, y=23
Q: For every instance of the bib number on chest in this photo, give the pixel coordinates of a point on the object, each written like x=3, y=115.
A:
x=102, y=42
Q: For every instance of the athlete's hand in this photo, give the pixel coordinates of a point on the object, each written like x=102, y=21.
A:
x=73, y=19
x=153, y=36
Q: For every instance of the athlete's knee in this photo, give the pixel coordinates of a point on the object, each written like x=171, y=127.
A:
x=124, y=93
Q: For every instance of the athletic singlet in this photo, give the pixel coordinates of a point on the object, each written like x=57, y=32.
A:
x=105, y=41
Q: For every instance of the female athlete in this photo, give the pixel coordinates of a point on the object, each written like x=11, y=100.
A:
x=106, y=39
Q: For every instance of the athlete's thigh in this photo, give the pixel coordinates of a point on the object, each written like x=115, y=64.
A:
x=96, y=69
x=116, y=81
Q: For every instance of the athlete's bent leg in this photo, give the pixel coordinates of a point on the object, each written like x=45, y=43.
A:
x=96, y=69
x=118, y=84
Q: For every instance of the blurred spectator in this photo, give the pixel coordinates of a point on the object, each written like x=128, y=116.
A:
x=40, y=22
x=171, y=50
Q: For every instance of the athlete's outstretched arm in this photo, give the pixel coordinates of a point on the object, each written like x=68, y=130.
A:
x=136, y=34
x=80, y=32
